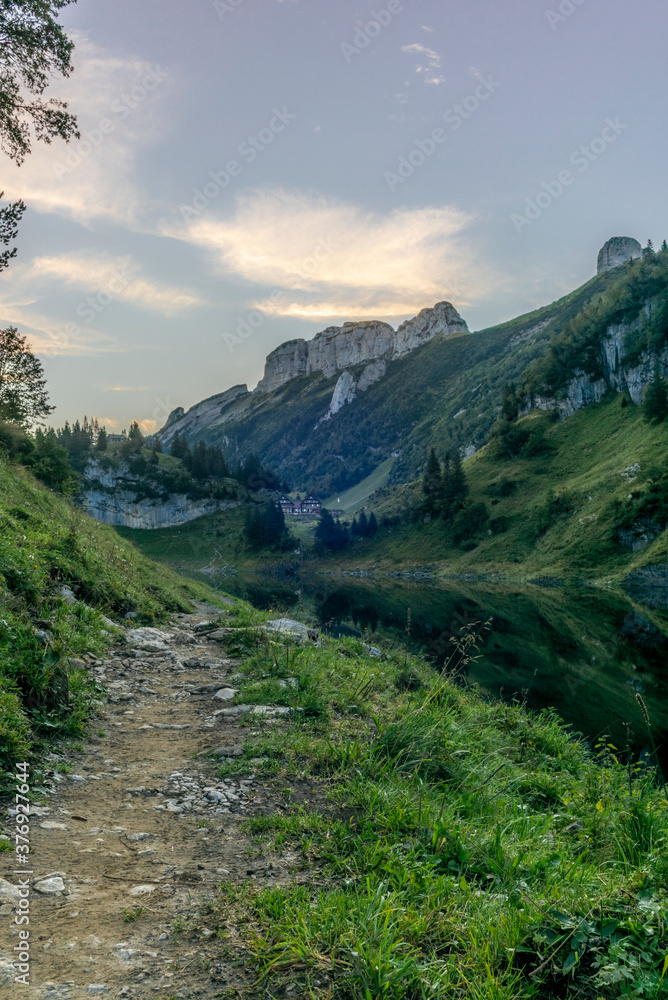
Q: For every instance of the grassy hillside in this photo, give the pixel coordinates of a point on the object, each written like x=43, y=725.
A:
x=558, y=512
x=444, y=395
x=440, y=845
x=45, y=544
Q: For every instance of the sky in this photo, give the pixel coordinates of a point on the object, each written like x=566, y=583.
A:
x=253, y=171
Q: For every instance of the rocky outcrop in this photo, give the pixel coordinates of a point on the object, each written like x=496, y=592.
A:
x=115, y=496
x=338, y=348
x=443, y=318
x=346, y=388
x=618, y=250
x=199, y=416
x=372, y=373
x=344, y=392
x=582, y=390
x=122, y=509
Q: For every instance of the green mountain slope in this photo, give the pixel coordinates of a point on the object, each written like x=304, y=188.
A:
x=46, y=544
x=442, y=394
x=575, y=509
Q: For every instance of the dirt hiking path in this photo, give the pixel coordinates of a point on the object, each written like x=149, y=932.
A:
x=134, y=840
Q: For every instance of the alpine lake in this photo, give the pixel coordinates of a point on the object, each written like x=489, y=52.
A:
x=593, y=655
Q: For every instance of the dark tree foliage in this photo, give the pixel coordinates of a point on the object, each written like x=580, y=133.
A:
x=470, y=521
x=655, y=400
x=455, y=488
x=510, y=404
x=330, y=535
x=10, y=216
x=23, y=394
x=203, y=463
x=265, y=526
x=135, y=441
x=79, y=440
x=254, y=477
x=432, y=483
x=179, y=448
x=33, y=48
x=365, y=527
x=15, y=444
x=50, y=462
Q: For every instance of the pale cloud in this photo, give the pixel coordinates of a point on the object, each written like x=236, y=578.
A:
x=418, y=48
x=429, y=62
x=101, y=280
x=125, y=388
x=119, y=103
x=117, y=276
x=332, y=259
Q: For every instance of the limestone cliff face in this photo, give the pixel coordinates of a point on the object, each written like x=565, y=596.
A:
x=338, y=348
x=115, y=496
x=582, y=390
x=443, y=318
x=123, y=509
x=199, y=416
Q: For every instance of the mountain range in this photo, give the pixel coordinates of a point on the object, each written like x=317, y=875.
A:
x=330, y=411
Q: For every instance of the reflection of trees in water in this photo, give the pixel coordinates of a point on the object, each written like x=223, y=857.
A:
x=339, y=607
x=582, y=652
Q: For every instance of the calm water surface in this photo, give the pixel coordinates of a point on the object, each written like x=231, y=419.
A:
x=585, y=652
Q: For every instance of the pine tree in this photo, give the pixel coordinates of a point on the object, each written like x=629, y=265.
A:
x=274, y=524
x=135, y=441
x=432, y=483
x=655, y=402
x=648, y=250
x=363, y=525
x=354, y=528
x=102, y=443
x=253, y=528
x=179, y=446
x=373, y=526
x=455, y=488
x=664, y=246
x=330, y=535
x=199, y=467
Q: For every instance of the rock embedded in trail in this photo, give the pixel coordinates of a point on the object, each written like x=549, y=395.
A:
x=147, y=640
x=50, y=886
x=226, y=694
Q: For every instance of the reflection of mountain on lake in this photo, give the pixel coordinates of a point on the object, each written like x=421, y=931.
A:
x=585, y=652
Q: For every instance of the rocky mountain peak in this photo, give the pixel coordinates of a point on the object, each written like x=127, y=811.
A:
x=617, y=251
x=339, y=347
